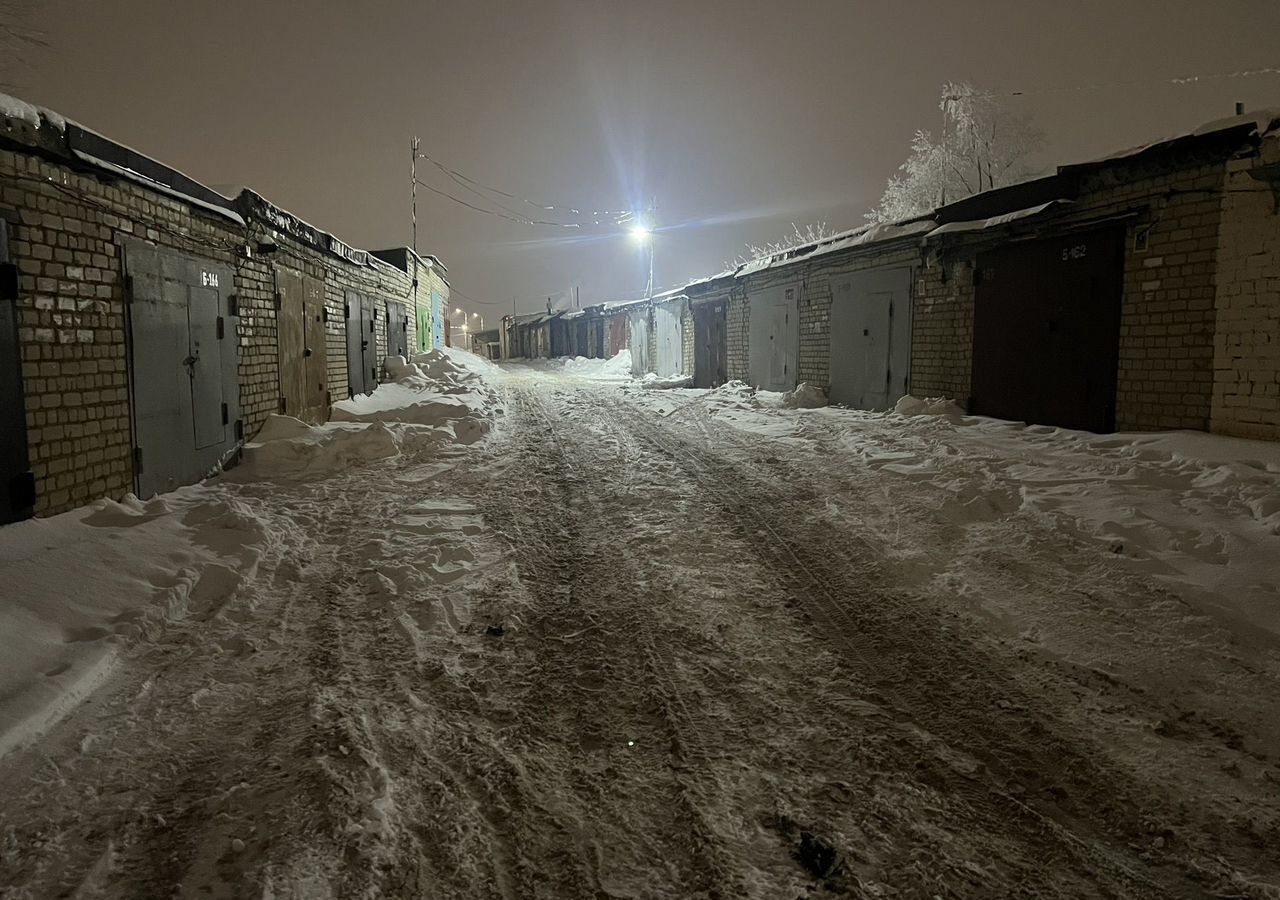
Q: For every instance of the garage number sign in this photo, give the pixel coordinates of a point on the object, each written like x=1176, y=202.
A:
x=208, y=279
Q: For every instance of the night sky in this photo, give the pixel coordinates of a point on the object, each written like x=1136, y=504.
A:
x=738, y=117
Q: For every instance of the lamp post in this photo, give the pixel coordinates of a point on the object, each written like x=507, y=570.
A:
x=642, y=234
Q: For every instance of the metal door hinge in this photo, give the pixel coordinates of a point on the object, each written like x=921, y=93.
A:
x=233, y=304
x=277, y=299
x=284, y=405
x=239, y=430
x=346, y=310
x=137, y=460
x=222, y=327
x=225, y=418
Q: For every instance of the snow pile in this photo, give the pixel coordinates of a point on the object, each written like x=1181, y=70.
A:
x=651, y=381
x=805, y=396
x=616, y=368
x=439, y=398
x=83, y=585
x=290, y=448
x=929, y=406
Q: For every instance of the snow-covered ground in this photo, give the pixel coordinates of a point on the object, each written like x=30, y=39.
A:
x=545, y=631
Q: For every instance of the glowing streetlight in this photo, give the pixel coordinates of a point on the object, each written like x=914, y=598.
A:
x=641, y=234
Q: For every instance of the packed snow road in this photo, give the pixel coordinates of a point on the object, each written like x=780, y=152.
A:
x=624, y=649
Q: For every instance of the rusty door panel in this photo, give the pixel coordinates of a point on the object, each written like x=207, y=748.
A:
x=291, y=339
x=1047, y=330
x=710, y=347
x=617, y=334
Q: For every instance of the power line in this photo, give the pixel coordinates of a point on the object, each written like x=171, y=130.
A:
x=1178, y=80
x=477, y=187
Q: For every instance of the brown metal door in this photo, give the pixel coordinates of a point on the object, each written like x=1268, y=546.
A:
x=291, y=341
x=316, y=352
x=618, y=334
x=1047, y=330
x=710, y=345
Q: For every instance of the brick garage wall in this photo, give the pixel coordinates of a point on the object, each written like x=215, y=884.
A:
x=686, y=338
x=738, y=328
x=816, y=299
x=1246, y=392
x=1166, y=369
x=66, y=230
x=942, y=326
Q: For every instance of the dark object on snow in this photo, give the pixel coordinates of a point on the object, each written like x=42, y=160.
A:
x=817, y=856
x=495, y=630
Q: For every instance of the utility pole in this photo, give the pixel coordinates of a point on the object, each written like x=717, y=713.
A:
x=413, y=180
x=653, y=209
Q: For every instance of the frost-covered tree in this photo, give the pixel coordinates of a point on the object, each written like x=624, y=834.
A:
x=983, y=145
x=797, y=237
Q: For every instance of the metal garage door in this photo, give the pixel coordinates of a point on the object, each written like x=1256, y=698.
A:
x=362, y=344
x=666, y=327
x=774, y=337
x=710, y=347
x=1047, y=330
x=183, y=366
x=17, y=486
x=870, y=338
x=291, y=335
x=303, y=351
x=638, y=320
x=316, y=395
x=397, y=330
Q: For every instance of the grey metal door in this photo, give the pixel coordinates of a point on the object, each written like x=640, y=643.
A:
x=362, y=344
x=774, y=337
x=639, y=340
x=397, y=330
x=870, y=338
x=666, y=325
x=205, y=367
x=183, y=366
x=17, y=484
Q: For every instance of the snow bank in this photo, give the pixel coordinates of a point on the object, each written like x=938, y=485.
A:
x=82, y=586
x=438, y=398
x=805, y=396
x=929, y=406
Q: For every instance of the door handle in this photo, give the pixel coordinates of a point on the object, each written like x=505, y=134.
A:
x=306, y=352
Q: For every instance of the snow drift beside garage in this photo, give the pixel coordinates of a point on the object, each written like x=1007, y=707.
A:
x=83, y=586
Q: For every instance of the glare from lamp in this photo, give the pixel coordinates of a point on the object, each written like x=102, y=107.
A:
x=640, y=234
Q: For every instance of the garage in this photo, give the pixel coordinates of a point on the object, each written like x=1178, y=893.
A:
x=397, y=330
x=638, y=324
x=303, y=353
x=183, y=374
x=1047, y=330
x=870, y=338
x=667, y=347
x=774, y=337
x=710, y=344
x=362, y=344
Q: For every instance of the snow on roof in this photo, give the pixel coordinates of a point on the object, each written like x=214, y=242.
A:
x=996, y=221
x=158, y=186
x=13, y=108
x=1261, y=122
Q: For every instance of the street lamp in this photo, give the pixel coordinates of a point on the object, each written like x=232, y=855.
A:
x=642, y=234
x=481, y=318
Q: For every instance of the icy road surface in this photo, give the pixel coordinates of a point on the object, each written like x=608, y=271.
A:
x=623, y=648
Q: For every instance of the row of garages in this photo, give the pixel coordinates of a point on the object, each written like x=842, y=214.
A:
x=1141, y=291
x=149, y=325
